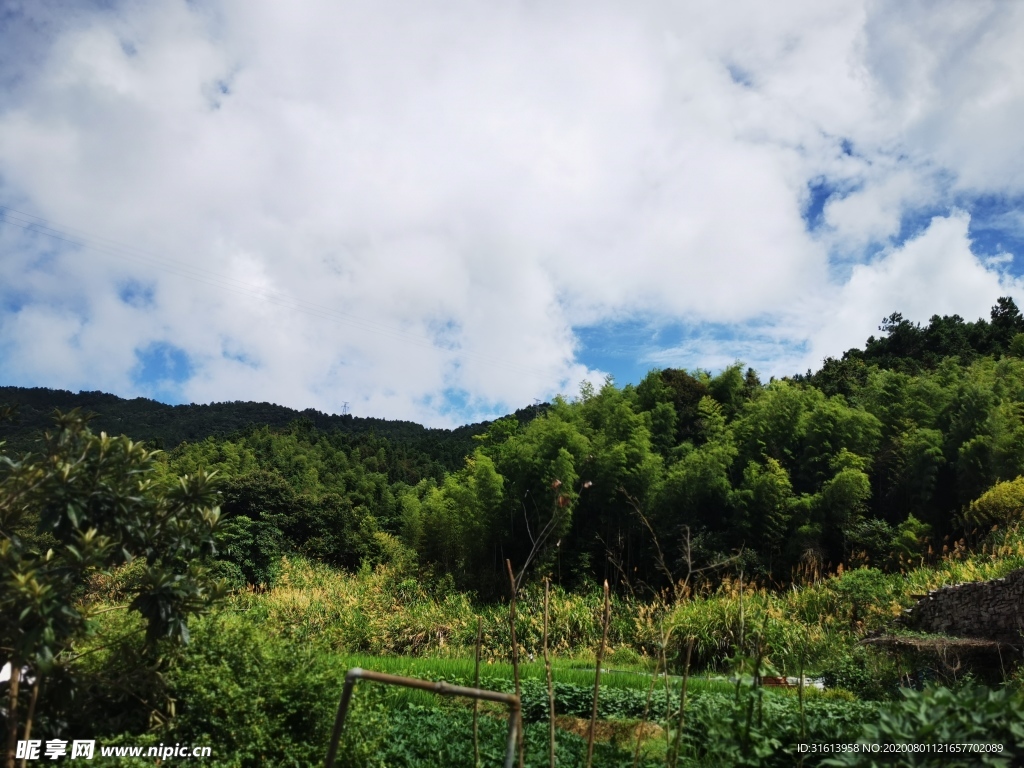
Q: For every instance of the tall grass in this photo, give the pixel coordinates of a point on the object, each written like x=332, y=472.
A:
x=824, y=616
x=386, y=613
x=381, y=613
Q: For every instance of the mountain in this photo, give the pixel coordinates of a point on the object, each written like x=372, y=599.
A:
x=166, y=426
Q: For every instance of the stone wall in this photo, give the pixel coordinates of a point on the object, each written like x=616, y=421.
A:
x=987, y=610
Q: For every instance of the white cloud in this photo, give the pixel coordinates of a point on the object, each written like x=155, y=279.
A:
x=950, y=80
x=435, y=195
x=934, y=273
x=875, y=212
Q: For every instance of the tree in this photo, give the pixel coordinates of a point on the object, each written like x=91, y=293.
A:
x=842, y=501
x=1007, y=321
x=841, y=377
x=774, y=425
x=830, y=427
x=696, y=490
x=455, y=523
x=686, y=393
x=93, y=504
x=903, y=342
x=540, y=463
x=257, y=507
x=764, y=505
x=730, y=389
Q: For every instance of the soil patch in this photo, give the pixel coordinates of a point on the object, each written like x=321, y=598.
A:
x=609, y=730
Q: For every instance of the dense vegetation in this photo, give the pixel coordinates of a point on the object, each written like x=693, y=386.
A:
x=752, y=527
x=167, y=426
x=645, y=484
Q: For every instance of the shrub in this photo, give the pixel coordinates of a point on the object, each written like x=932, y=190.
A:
x=863, y=672
x=256, y=698
x=1001, y=504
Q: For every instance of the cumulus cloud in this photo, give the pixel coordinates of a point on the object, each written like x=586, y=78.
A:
x=411, y=208
x=950, y=81
x=935, y=273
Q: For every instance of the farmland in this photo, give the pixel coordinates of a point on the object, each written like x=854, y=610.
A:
x=261, y=678
x=217, y=592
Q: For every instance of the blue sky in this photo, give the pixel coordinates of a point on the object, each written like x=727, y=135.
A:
x=448, y=218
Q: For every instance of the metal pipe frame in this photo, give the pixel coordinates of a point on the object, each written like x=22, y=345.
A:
x=444, y=689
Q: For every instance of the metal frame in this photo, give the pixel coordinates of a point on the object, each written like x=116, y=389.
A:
x=444, y=689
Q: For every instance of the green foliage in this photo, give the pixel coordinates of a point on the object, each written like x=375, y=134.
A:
x=260, y=699
x=452, y=525
x=697, y=486
x=765, y=505
x=1002, y=504
x=628, y=702
x=752, y=729
x=943, y=717
x=868, y=675
x=226, y=457
x=911, y=538
x=774, y=424
x=254, y=547
x=418, y=451
x=729, y=388
x=93, y=498
x=263, y=697
x=433, y=737
x=1017, y=345
x=873, y=459
x=94, y=505
x=703, y=486
x=684, y=393
x=907, y=346
x=267, y=670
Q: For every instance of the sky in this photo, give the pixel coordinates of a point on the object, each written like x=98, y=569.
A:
x=445, y=210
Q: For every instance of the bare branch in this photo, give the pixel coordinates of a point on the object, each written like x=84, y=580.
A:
x=679, y=586
x=617, y=565
x=660, y=556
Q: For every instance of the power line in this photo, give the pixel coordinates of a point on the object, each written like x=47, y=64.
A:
x=37, y=225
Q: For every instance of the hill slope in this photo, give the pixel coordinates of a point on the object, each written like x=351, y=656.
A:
x=167, y=426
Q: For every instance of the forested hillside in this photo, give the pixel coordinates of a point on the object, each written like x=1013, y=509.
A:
x=167, y=426
x=214, y=593
x=881, y=457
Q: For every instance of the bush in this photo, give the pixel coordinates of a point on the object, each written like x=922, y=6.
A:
x=255, y=698
x=863, y=672
x=1001, y=504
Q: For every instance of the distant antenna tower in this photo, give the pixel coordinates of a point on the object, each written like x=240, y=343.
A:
x=344, y=409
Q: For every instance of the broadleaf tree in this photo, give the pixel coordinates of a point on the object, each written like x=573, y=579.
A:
x=87, y=505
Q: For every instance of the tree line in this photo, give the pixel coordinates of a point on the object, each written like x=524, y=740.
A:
x=881, y=457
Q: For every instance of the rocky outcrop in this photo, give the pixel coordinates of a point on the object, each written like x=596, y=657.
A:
x=985, y=610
